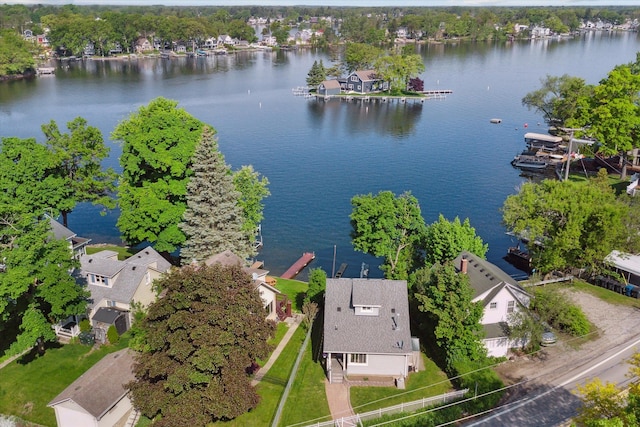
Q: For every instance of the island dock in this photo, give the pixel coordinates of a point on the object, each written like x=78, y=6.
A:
x=350, y=97
x=299, y=265
x=45, y=70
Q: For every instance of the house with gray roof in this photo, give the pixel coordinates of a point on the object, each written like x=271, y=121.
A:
x=329, y=87
x=363, y=81
x=271, y=296
x=366, y=329
x=99, y=398
x=499, y=294
x=115, y=285
x=77, y=245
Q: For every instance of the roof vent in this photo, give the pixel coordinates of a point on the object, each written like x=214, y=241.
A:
x=90, y=259
x=133, y=268
x=339, y=309
x=393, y=310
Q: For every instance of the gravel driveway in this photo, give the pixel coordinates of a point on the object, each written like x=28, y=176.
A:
x=615, y=325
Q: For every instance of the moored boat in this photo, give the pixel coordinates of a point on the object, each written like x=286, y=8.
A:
x=519, y=258
x=527, y=161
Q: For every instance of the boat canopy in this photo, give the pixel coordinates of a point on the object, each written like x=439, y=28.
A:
x=626, y=262
x=541, y=137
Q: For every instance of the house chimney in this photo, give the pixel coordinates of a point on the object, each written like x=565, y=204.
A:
x=463, y=265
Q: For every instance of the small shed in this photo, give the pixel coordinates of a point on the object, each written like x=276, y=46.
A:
x=99, y=397
x=329, y=87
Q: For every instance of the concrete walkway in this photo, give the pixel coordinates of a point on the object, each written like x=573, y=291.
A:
x=293, y=322
x=338, y=399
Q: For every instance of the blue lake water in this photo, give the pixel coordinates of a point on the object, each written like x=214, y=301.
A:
x=316, y=154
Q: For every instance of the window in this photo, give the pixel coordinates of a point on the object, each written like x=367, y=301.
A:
x=111, y=303
x=366, y=309
x=98, y=280
x=354, y=78
x=358, y=359
x=493, y=305
x=511, y=306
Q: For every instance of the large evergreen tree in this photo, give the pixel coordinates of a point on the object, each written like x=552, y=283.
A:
x=213, y=220
x=202, y=337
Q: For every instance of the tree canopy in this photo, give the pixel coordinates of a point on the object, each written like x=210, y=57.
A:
x=445, y=298
x=16, y=55
x=444, y=240
x=158, y=145
x=360, y=56
x=201, y=339
x=317, y=74
x=574, y=224
x=388, y=226
x=78, y=158
x=558, y=99
x=253, y=189
x=213, y=220
x=398, y=69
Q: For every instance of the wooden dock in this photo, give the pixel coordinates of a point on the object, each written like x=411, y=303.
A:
x=45, y=70
x=299, y=265
x=351, y=97
x=341, y=270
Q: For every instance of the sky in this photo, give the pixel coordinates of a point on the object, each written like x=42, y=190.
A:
x=338, y=3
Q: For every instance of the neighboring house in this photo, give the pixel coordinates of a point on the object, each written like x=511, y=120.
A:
x=77, y=245
x=99, y=397
x=210, y=43
x=43, y=40
x=366, y=329
x=89, y=49
x=499, y=294
x=114, y=285
x=329, y=87
x=224, y=39
x=364, y=82
x=271, y=297
x=142, y=45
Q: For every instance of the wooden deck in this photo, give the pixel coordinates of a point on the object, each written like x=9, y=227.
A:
x=378, y=97
x=299, y=265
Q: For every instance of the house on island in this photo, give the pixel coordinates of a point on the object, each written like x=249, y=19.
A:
x=99, y=397
x=499, y=294
x=366, y=329
x=275, y=302
x=115, y=285
x=365, y=81
x=329, y=87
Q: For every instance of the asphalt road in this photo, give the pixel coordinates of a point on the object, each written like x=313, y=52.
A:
x=552, y=402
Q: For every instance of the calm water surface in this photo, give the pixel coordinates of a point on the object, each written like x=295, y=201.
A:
x=317, y=155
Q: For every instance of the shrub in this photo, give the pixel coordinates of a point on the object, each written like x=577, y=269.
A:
x=556, y=309
x=85, y=325
x=573, y=321
x=112, y=335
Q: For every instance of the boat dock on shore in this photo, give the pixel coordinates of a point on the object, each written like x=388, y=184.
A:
x=46, y=70
x=299, y=265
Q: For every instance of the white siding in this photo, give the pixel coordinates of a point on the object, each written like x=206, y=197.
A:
x=70, y=414
x=116, y=413
x=498, y=314
x=381, y=364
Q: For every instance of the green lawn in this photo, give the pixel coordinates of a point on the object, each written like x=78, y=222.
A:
x=123, y=252
x=294, y=290
x=271, y=387
x=601, y=293
x=307, y=400
x=26, y=388
x=431, y=381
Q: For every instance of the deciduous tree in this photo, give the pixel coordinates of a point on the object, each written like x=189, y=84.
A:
x=253, y=189
x=78, y=156
x=202, y=337
x=388, y=226
x=360, y=56
x=444, y=240
x=213, y=220
x=317, y=286
x=558, y=99
x=445, y=298
x=15, y=54
x=577, y=224
x=158, y=144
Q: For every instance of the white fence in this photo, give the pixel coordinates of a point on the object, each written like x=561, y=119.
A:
x=395, y=409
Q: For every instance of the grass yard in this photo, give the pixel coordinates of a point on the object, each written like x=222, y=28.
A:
x=123, y=253
x=307, y=400
x=431, y=381
x=271, y=387
x=294, y=289
x=26, y=388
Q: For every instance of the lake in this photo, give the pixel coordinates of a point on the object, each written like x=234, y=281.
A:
x=317, y=155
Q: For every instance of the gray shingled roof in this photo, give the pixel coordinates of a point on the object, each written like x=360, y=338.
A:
x=102, y=386
x=344, y=332
x=366, y=75
x=331, y=84
x=496, y=330
x=131, y=273
x=485, y=277
x=60, y=232
x=226, y=258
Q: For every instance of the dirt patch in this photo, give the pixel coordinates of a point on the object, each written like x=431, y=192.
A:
x=615, y=325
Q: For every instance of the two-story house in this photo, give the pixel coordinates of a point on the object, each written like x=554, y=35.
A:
x=115, y=285
x=499, y=294
x=366, y=329
x=364, y=81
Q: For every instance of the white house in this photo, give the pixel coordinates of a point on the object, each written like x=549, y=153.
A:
x=628, y=265
x=500, y=296
x=366, y=329
x=115, y=285
x=77, y=245
x=269, y=294
x=99, y=397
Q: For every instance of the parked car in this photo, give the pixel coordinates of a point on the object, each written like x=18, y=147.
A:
x=548, y=338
